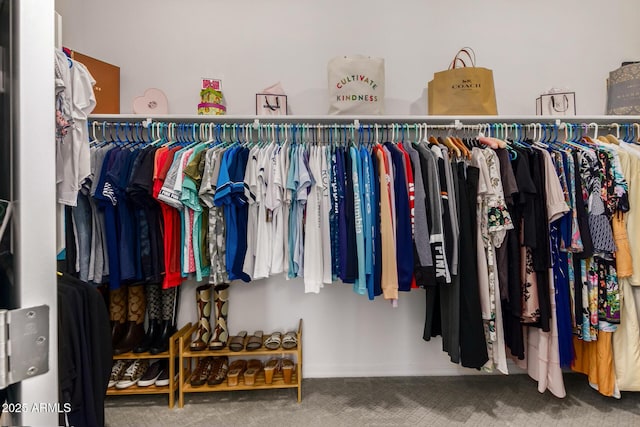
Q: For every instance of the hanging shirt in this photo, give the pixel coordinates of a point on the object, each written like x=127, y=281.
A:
x=334, y=214
x=265, y=230
x=325, y=208
x=369, y=217
x=360, y=284
x=250, y=192
x=389, y=274
x=275, y=202
x=313, y=261
x=423, y=257
x=404, y=241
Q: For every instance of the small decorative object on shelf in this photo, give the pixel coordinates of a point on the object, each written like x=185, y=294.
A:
x=154, y=101
x=211, y=98
x=135, y=373
x=243, y=365
x=271, y=101
x=556, y=102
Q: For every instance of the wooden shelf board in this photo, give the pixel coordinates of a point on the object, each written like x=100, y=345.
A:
x=226, y=352
x=278, y=382
x=147, y=355
x=152, y=389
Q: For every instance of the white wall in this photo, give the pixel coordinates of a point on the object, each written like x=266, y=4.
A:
x=530, y=45
x=250, y=44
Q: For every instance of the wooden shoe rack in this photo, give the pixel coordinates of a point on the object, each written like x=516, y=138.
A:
x=171, y=355
x=189, y=358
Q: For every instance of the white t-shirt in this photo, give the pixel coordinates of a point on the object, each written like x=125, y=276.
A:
x=302, y=196
x=275, y=194
x=250, y=192
x=73, y=158
x=264, y=241
x=313, y=262
x=325, y=208
x=286, y=204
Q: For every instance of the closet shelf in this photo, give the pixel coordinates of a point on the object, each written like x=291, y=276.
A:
x=187, y=366
x=263, y=351
x=171, y=355
x=152, y=389
x=278, y=382
x=147, y=355
x=326, y=119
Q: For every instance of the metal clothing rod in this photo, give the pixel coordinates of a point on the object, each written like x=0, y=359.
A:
x=455, y=121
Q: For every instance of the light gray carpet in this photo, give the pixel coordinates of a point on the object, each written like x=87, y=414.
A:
x=406, y=401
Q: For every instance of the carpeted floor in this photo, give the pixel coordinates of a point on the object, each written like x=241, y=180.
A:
x=406, y=401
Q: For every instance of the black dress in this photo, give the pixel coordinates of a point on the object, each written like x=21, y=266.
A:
x=473, y=346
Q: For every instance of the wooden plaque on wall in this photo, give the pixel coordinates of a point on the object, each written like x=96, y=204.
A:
x=107, y=88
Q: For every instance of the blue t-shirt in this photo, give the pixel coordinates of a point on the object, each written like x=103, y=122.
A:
x=334, y=214
x=360, y=284
x=368, y=218
x=404, y=239
x=342, y=212
x=241, y=208
x=377, y=241
x=223, y=198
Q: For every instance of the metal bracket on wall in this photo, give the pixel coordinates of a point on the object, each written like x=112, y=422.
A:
x=24, y=344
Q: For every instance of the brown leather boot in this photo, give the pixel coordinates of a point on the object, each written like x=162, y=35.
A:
x=135, y=324
x=203, y=299
x=118, y=314
x=221, y=309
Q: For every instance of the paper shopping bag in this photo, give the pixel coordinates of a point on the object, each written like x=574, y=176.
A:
x=462, y=90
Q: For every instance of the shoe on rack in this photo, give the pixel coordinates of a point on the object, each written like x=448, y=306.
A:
x=134, y=372
x=136, y=309
x=163, y=379
x=203, y=333
x=153, y=373
x=254, y=366
x=218, y=370
x=117, y=371
x=161, y=344
x=236, y=370
x=273, y=366
x=202, y=372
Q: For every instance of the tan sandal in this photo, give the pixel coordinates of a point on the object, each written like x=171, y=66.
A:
x=272, y=366
x=254, y=366
x=287, y=370
x=236, y=369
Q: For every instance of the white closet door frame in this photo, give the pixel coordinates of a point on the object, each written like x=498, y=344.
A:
x=35, y=188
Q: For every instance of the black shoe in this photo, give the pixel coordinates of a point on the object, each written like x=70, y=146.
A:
x=153, y=373
x=161, y=343
x=151, y=335
x=163, y=379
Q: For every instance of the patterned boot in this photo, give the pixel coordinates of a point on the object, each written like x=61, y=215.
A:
x=118, y=314
x=203, y=333
x=135, y=316
x=154, y=313
x=161, y=344
x=221, y=310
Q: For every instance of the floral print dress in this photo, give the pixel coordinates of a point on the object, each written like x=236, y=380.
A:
x=494, y=221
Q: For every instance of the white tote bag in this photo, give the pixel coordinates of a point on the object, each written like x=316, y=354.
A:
x=356, y=85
